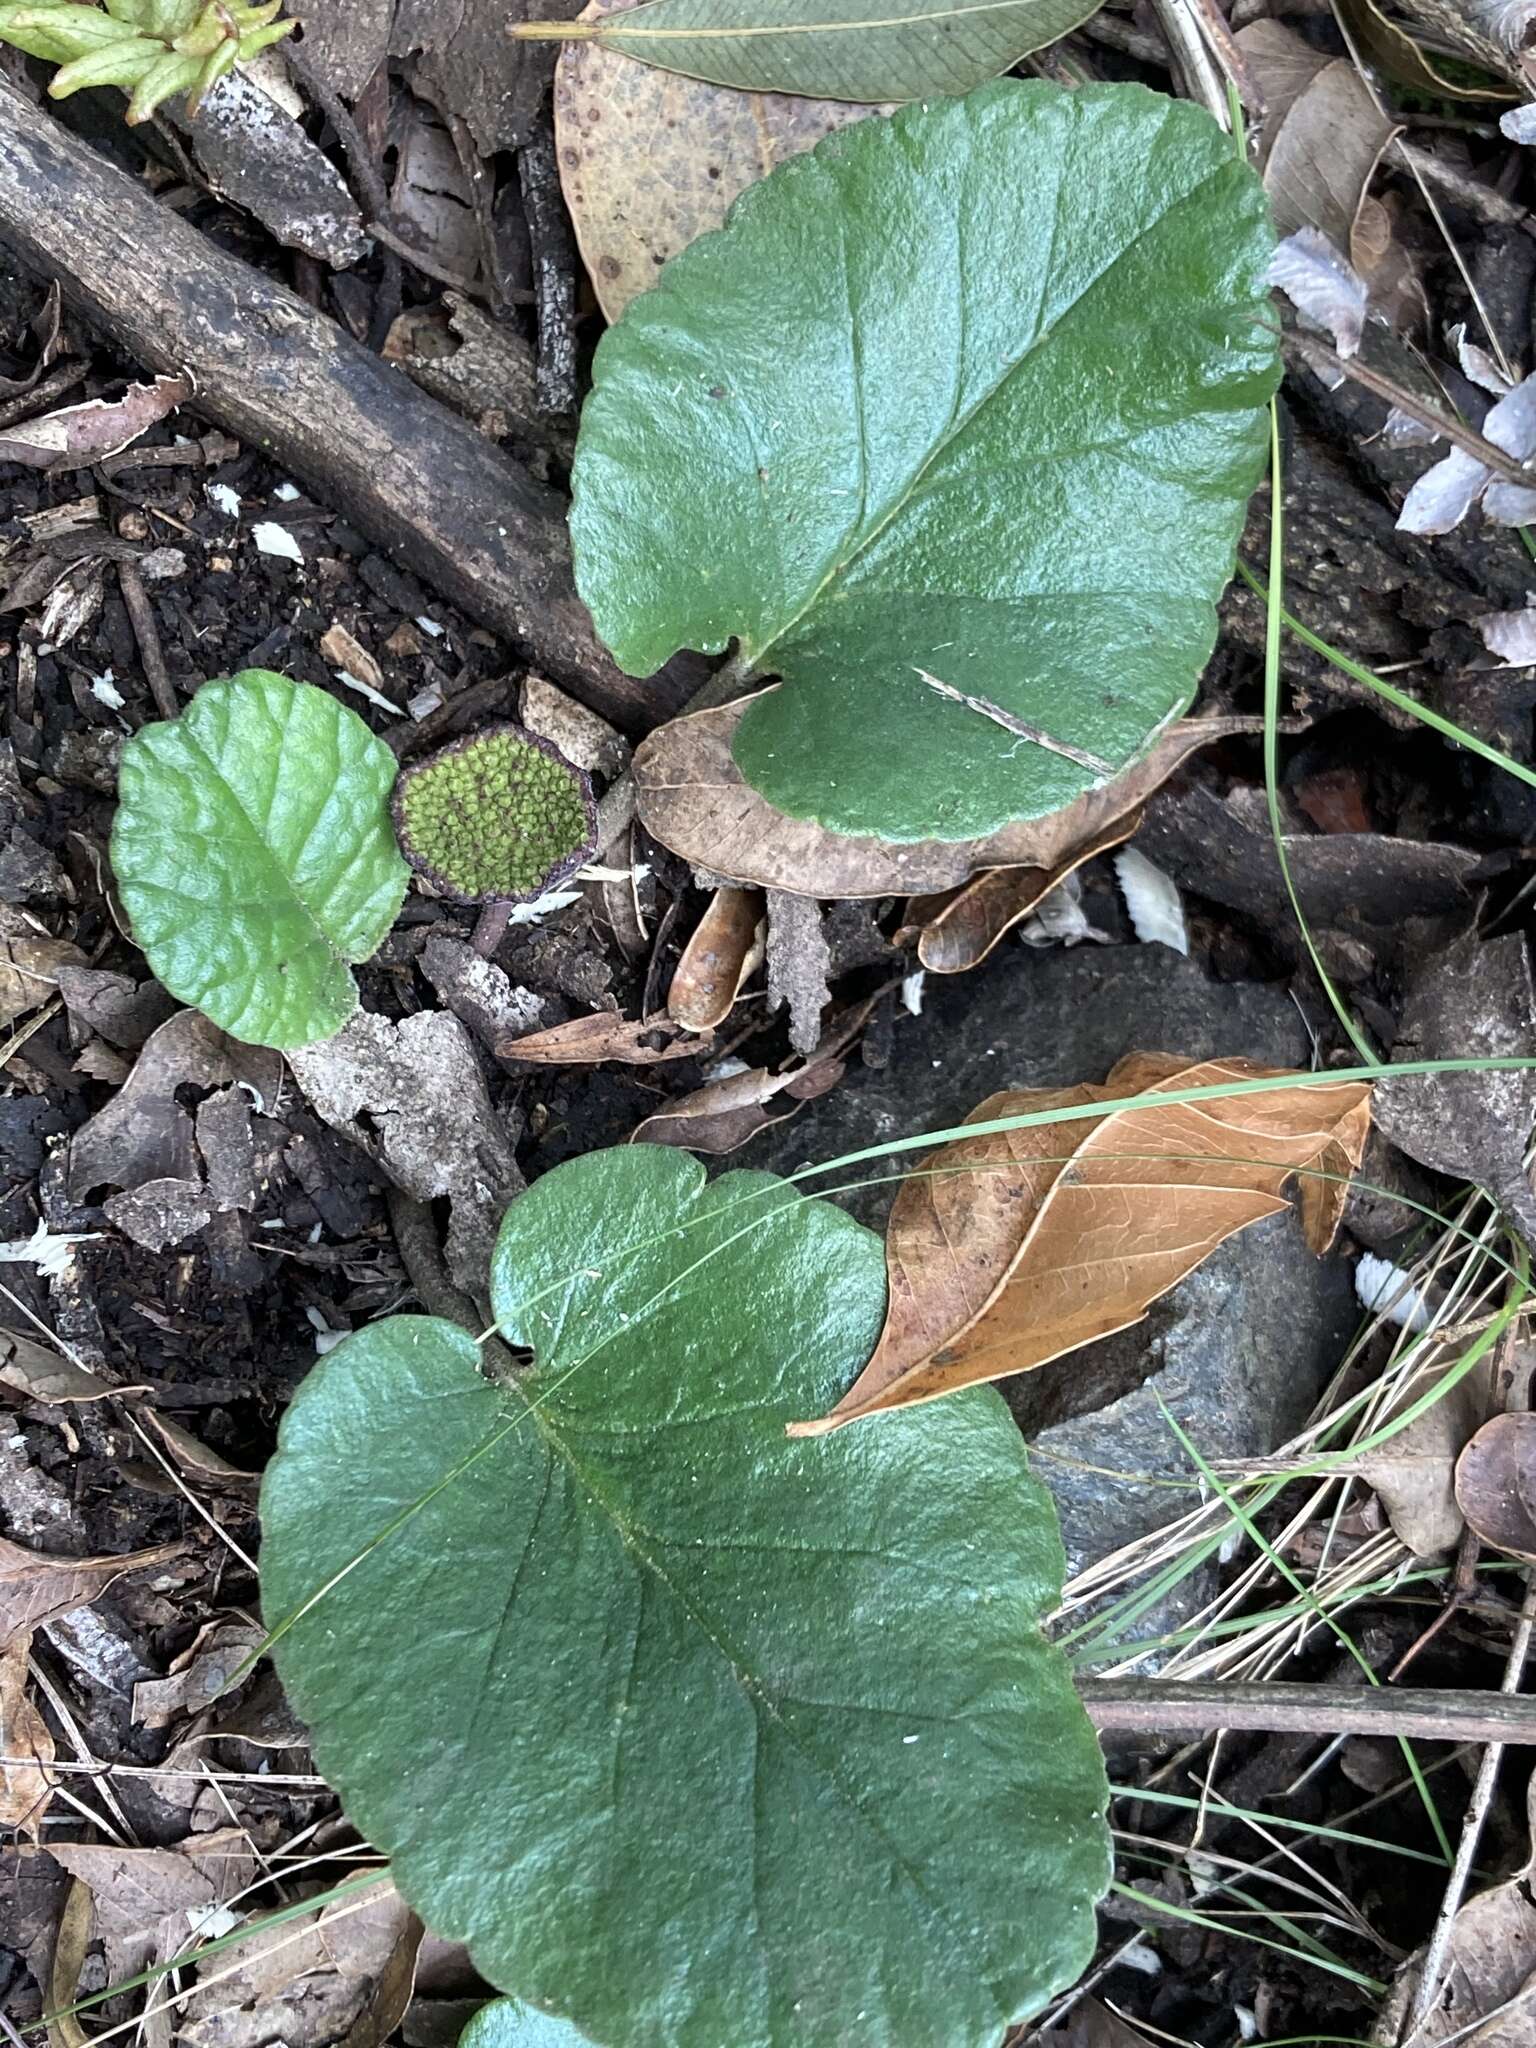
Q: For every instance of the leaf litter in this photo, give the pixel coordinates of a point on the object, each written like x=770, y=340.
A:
x=1005, y=1252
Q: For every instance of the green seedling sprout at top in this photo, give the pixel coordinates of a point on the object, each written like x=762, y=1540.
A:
x=499, y=817
x=153, y=49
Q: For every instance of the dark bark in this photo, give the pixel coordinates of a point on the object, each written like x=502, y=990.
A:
x=416, y=478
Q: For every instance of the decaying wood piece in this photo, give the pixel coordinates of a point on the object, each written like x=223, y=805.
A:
x=414, y=477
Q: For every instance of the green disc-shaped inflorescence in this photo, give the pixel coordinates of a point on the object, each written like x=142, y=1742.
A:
x=501, y=814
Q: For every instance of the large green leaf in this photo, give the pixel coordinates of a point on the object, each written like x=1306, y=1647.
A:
x=871, y=50
x=968, y=397
x=255, y=856
x=694, y=1733
x=508, y=2023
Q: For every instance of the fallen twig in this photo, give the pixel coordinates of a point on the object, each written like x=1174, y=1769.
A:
x=1317, y=355
x=1195, y=1707
x=418, y=479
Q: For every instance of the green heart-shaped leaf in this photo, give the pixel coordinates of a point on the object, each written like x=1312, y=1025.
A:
x=951, y=426
x=255, y=856
x=508, y=2023
x=694, y=1733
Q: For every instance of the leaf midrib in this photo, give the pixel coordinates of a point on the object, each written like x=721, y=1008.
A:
x=755, y=659
x=617, y=28
x=195, y=745
x=629, y=1534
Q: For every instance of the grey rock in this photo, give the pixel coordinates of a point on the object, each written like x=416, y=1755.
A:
x=1238, y=1351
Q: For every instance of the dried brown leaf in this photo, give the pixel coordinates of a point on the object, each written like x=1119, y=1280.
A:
x=40, y=1375
x=69, y=1946
x=959, y=931
x=650, y=160
x=1496, y=1484
x=1323, y=134
x=36, y=1586
x=1004, y=1252
x=1486, y=1988
x=29, y=965
x=587, y=1041
x=724, y=951
x=1396, y=54
x=79, y=435
x=695, y=800
x=723, y=1114
x=1413, y=1472
x=26, y=1746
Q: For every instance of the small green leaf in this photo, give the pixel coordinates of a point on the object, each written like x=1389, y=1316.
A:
x=694, y=1733
x=952, y=426
x=871, y=50
x=254, y=854
x=508, y=2023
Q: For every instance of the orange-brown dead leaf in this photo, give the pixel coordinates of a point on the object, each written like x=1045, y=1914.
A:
x=956, y=933
x=725, y=950
x=26, y=1746
x=1005, y=1251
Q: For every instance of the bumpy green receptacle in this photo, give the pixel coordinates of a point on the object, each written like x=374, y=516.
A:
x=501, y=815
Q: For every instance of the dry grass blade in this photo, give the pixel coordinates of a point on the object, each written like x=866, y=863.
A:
x=1001, y=1257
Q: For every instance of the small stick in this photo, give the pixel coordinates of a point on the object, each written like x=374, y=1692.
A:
x=147, y=633
x=1200, y=1707
x=1184, y=26
x=1316, y=353
x=985, y=708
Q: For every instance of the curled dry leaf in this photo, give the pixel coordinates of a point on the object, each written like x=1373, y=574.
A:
x=957, y=932
x=723, y=1114
x=1496, y=1484
x=29, y=964
x=1511, y=636
x=26, y=1747
x=695, y=800
x=35, y=1586
x=1326, y=290
x=1413, y=1471
x=724, y=951
x=82, y=434
x=1004, y=1252
x=588, y=1041
x=413, y=1097
x=650, y=159
x=1324, y=132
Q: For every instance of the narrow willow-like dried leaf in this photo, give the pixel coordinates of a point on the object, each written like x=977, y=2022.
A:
x=1006, y=1251
x=832, y=49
